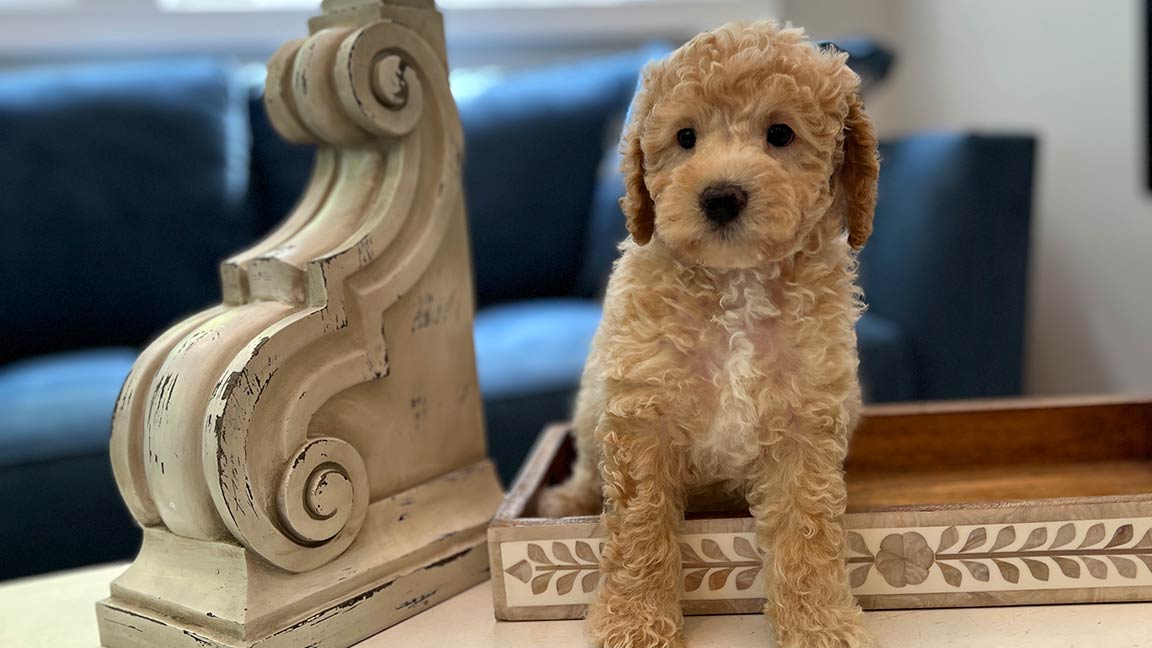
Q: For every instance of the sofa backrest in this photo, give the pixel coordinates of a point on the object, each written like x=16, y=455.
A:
x=534, y=147
x=123, y=187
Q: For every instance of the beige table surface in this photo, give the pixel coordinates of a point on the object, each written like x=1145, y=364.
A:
x=57, y=612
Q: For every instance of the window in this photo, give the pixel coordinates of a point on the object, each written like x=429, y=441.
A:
x=446, y=5
x=33, y=29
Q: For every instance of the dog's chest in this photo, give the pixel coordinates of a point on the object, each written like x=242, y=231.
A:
x=744, y=360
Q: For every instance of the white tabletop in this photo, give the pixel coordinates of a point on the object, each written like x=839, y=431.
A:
x=58, y=612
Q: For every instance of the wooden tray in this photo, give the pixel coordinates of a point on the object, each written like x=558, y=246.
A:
x=960, y=504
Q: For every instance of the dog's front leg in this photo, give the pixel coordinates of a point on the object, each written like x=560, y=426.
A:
x=638, y=603
x=798, y=500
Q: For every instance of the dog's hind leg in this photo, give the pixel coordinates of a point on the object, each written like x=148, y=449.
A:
x=581, y=493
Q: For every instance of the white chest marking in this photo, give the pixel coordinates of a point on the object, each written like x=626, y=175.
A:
x=742, y=361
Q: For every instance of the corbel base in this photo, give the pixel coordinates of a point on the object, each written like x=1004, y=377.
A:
x=185, y=593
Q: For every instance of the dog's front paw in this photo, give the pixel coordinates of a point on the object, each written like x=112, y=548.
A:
x=835, y=634
x=567, y=500
x=620, y=622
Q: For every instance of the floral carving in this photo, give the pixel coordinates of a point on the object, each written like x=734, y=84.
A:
x=905, y=559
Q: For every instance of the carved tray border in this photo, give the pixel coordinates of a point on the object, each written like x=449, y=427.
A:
x=1091, y=549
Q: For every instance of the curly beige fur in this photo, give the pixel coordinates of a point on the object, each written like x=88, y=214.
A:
x=727, y=355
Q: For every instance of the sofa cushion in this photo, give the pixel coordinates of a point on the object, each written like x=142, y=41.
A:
x=61, y=513
x=63, y=508
x=533, y=346
x=529, y=356
x=124, y=186
x=59, y=405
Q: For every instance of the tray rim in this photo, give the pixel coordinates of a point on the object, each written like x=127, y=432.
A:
x=509, y=525
x=530, y=477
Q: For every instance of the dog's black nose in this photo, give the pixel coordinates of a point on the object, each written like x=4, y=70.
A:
x=723, y=203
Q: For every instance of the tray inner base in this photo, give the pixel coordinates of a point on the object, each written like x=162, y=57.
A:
x=999, y=483
x=981, y=452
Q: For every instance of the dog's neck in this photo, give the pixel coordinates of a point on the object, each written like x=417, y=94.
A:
x=824, y=254
x=824, y=268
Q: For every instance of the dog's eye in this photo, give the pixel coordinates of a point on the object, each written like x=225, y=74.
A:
x=780, y=135
x=686, y=138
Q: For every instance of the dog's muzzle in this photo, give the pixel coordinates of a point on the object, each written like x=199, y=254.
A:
x=723, y=203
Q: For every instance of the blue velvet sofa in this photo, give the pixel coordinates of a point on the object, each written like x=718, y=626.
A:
x=124, y=185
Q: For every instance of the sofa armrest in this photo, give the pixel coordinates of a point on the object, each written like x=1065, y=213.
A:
x=949, y=258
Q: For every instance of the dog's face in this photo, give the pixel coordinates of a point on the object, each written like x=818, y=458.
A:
x=741, y=141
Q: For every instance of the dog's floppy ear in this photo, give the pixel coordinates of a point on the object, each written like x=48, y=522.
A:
x=637, y=205
x=858, y=173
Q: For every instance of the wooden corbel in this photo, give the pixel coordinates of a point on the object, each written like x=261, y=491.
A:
x=308, y=459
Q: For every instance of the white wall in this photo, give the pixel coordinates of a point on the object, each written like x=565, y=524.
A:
x=1071, y=72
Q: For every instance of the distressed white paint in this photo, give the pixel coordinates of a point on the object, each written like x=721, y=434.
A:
x=308, y=457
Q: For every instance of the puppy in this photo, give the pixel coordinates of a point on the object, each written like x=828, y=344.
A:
x=727, y=352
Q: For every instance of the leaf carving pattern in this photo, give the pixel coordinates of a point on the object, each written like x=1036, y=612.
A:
x=715, y=564
x=1095, y=567
x=540, y=583
x=1095, y=534
x=589, y=582
x=584, y=551
x=564, y=583
x=744, y=548
x=1124, y=566
x=712, y=549
x=952, y=576
x=693, y=579
x=948, y=539
x=1065, y=535
x=903, y=559
x=1008, y=571
x=1123, y=535
x=562, y=553
x=856, y=543
x=719, y=578
x=978, y=570
x=1068, y=567
x=1037, y=568
x=563, y=568
x=1006, y=537
x=975, y=539
x=536, y=554
x=688, y=554
x=745, y=578
x=1038, y=537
